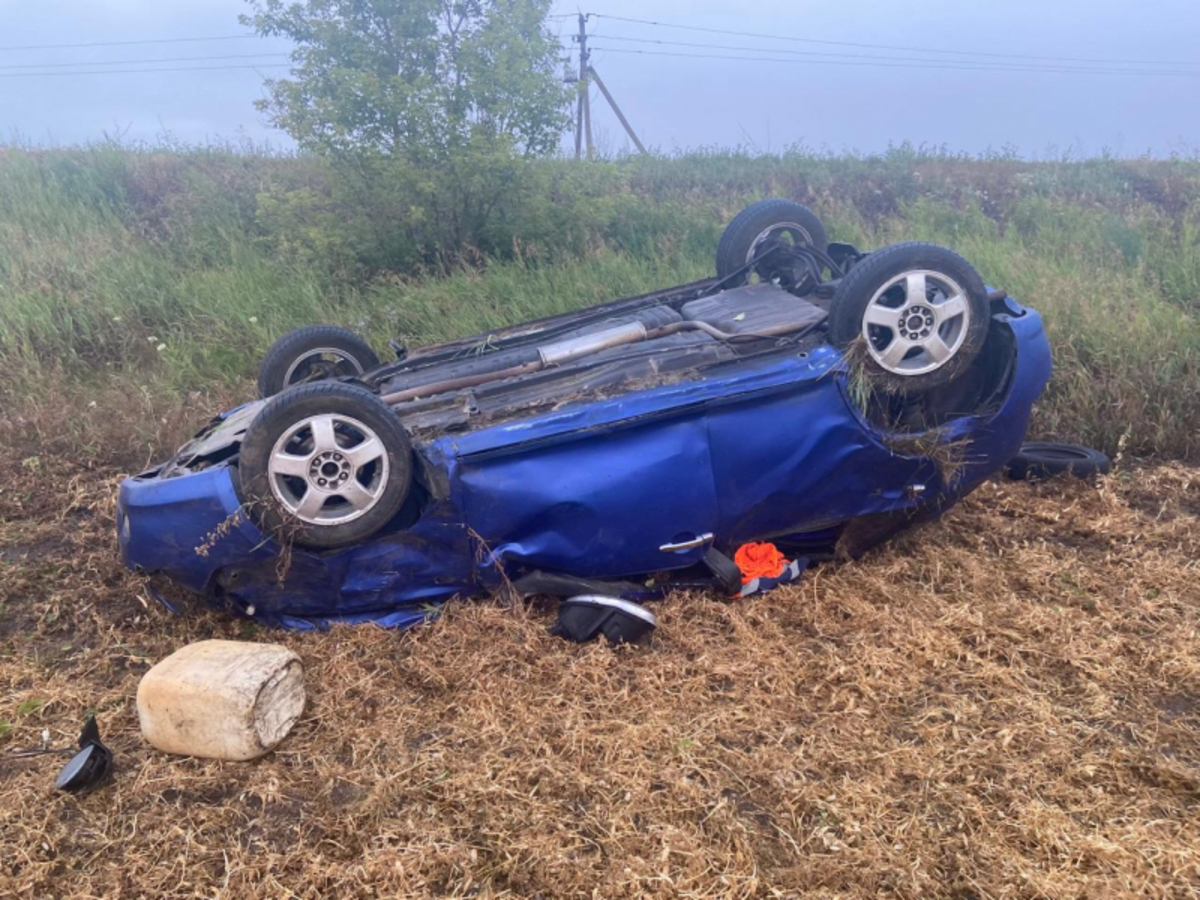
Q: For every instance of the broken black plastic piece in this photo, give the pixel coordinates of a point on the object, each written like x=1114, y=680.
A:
x=582, y=619
x=90, y=766
x=844, y=255
x=724, y=570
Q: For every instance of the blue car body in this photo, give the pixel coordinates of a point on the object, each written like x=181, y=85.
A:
x=767, y=448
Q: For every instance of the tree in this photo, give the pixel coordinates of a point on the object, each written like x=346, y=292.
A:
x=421, y=80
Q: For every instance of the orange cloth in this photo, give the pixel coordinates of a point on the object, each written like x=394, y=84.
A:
x=759, y=561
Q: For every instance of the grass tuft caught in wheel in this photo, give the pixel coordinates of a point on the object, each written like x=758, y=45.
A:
x=921, y=311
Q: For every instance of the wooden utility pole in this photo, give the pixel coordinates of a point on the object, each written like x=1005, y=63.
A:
x=583, y=112
x=620, y=115
x=587, y=118
x=583, y=109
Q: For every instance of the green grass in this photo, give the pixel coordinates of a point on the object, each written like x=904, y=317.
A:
x=163, y=276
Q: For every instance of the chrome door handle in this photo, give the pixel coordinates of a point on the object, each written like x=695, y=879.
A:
x=695, y=542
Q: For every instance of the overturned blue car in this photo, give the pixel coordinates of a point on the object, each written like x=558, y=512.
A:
x=808, y=394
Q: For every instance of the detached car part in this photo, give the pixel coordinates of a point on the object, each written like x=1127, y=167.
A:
x=584, y=618
x=90, y=766
x=804, y=393
x=1043, y=459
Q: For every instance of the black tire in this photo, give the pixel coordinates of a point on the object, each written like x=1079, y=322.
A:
x=856, y=291
x=1043, y=459
x=294, y=407
x=748, y=226
x=285, y=364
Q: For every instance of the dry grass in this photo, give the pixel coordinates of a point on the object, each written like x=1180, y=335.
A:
x=1004, y=704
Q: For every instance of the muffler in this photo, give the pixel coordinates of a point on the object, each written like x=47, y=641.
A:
x=563, y=352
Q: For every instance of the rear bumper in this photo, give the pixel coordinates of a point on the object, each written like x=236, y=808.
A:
x=192, y=529
x=186, y=527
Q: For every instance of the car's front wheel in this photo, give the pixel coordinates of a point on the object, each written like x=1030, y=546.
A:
x=324, y=465
x=919, y=312
x=313, y=353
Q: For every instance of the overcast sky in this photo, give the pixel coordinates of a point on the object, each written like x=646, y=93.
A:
x=677, y=102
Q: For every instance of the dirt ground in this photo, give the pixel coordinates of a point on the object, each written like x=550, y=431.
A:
x=1003, y=704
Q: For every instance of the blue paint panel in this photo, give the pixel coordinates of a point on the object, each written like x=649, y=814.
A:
x=597, y=503
x=187, y=527
x=403, y=573
x=800, y=461
x=995, y=440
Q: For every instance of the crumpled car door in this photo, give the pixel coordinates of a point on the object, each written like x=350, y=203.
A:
x=600, y=502
x=799, y=459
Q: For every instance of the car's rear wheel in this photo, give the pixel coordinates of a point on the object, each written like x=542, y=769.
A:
x=313, y=353
x=761, y=229
x=324, y=465
x=919, y=312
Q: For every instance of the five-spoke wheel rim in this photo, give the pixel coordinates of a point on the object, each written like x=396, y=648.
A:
x=916, y=322
x=328, y=469
x=321, y=363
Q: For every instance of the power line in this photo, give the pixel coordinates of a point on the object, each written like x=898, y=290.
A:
x=955, y=65
x=179, y=40
x=938, y=50
x=126, y=62
x=134, y=71
x=1019, y=67
x=834, y=54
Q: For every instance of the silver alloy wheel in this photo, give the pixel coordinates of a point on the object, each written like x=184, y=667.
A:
x=775, y=230
x=331, y=355
x=328, y=469
x=916, y=322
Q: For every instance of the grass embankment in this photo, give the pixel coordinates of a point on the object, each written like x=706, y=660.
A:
x=1004, y=704
x=160, y=278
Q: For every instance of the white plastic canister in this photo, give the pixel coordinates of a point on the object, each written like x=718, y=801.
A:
x=222, y=699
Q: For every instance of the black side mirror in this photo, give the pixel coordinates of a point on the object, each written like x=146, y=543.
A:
x=90, y=766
